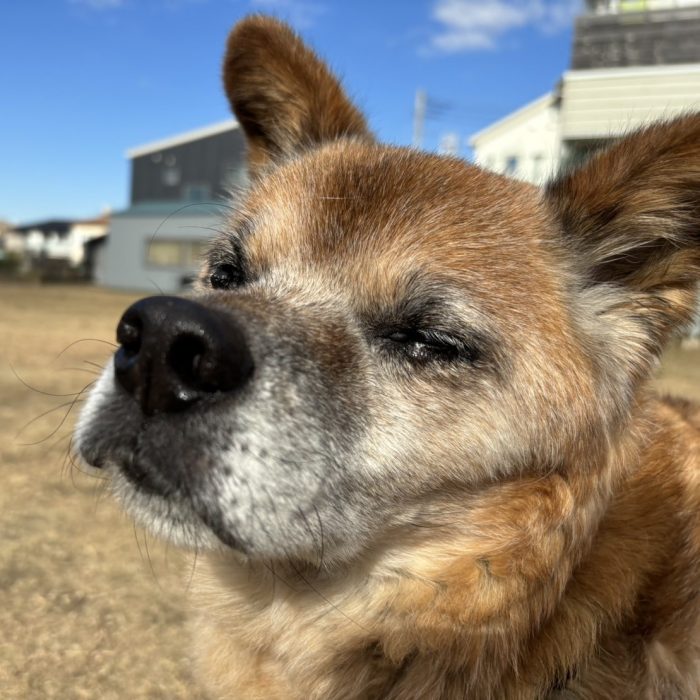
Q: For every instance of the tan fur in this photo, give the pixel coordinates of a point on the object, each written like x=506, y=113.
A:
x=519, y=588
x=562, y=562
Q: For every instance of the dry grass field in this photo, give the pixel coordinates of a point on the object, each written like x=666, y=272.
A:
x=84, y=614
x=90, y=607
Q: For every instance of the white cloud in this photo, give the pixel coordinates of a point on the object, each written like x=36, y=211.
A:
x=300, y=13
x=100, y=4
x=474, y=25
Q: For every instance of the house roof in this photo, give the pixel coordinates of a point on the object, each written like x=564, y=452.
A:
x=513, y=118
x=103, y=219
x=185, y=137
x=49, y=226
x=60, y=226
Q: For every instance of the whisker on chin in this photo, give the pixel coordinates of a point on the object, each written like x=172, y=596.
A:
x=193, y=569
x=96, y=365
x=70, y=460
x=150, y=560
x=307, y=582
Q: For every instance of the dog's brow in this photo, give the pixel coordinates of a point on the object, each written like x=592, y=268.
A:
x=242, y=228
x=229, y=249
x=425, y=299
x=425, y=309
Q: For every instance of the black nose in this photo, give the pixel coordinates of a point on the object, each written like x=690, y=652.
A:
x=174, y=352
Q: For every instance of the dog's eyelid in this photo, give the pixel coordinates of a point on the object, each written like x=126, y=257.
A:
x=434, y=341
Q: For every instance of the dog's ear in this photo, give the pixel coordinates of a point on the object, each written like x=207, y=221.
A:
x=631, y=216
x=285, y=98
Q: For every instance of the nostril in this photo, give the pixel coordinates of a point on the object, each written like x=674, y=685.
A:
x=188, y=357
x=129, y=336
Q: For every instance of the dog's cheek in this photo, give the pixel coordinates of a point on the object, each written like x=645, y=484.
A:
x=425, y=432
x=282, y=483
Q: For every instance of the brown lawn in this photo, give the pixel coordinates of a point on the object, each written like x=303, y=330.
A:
x=91, y=608
x=83, y=614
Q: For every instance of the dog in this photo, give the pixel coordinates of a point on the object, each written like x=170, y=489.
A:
x=405, y=416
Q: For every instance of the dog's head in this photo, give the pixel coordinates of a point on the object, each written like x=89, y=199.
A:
x=382, y=330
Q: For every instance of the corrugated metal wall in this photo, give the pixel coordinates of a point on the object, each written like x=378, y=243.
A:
x=202, y=169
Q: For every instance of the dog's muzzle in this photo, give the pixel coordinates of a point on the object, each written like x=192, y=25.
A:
x=174, y=352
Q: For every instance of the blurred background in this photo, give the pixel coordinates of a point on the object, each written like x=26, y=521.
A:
x=117, y=153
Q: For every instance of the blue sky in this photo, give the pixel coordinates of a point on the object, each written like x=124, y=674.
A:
x=83, y=80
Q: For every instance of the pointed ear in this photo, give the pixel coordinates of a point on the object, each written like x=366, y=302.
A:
x=285, y=98
x=631, y=216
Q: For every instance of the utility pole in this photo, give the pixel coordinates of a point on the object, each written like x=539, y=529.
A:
x=449, y=144
x=420, y=106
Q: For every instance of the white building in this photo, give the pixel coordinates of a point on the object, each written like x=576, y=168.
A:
x=633, y=62
x=525, y=144
x=54, y=240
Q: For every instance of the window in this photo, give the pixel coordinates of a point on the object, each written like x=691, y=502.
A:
x=193, y=252
x=163, y=254
x=196, y=193
x=537, y=167
x=181, y=254
x=511, y=165
x=171, y=176
x=633, y=5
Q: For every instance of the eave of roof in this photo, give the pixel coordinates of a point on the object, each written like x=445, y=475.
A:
x=185, y=137
x=47, y=225
x=168, y=210
x=540, y=102
x=630, y=71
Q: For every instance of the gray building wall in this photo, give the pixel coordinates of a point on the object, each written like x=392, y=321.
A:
x=124, y=261
x=198, y=170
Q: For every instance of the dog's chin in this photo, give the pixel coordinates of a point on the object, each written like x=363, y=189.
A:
x=167, y=517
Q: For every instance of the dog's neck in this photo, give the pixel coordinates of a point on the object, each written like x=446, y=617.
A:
x=455, y=604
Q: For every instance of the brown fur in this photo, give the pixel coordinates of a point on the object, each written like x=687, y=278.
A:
x=302, y=103
x=574, y=575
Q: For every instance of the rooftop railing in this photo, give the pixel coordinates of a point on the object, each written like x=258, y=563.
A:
x=614, y=7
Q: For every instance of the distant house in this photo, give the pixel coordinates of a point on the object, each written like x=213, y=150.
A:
x=633, y=62
x=178, y=191
x=55, y=245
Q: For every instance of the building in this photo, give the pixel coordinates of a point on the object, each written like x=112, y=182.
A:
x=178, y=191
x=524, y=144
x=633, y=61
x=55, y=247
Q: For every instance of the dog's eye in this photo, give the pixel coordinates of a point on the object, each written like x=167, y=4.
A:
x=225, y=277
x=427, y=345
